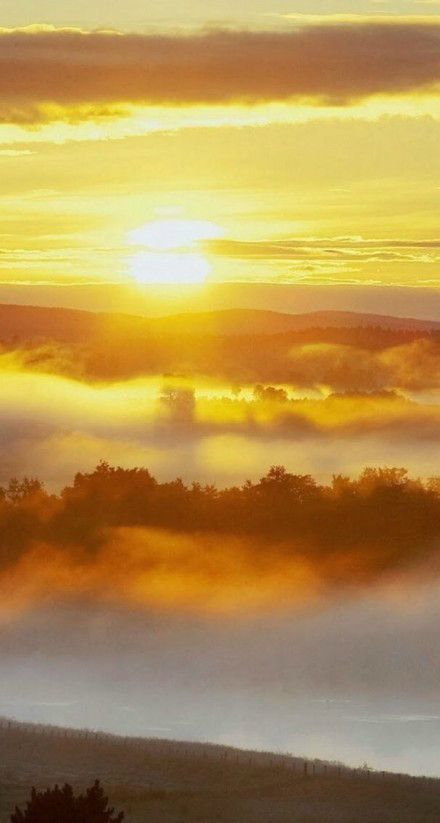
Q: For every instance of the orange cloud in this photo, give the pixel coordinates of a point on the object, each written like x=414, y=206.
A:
x=44, y=69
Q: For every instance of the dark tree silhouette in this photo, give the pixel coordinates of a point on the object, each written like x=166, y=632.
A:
x=59, y=805
x=382, y=520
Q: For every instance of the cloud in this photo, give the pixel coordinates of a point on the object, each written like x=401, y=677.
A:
x=15, y=152
x=354, y=249
x=46, y=72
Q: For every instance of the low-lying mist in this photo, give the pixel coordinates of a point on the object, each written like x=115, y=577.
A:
x=53, y=425
x=117, y=536
x=297, y=611
x=353, y=680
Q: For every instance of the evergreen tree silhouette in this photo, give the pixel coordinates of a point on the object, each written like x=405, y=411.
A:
x=59, y=805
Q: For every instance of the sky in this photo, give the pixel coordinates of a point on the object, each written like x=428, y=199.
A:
x=294, y=145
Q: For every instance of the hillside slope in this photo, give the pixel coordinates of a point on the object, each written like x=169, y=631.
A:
x=164, y=781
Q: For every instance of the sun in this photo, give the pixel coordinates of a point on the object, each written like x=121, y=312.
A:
x=168, y=253
x=151, y=267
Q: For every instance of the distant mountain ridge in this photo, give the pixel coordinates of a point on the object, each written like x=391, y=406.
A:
x=258, y=321
x=21, y=323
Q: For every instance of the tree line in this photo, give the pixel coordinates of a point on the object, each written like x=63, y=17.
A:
x=382, y=508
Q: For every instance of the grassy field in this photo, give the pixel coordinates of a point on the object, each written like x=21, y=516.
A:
x=172, y=782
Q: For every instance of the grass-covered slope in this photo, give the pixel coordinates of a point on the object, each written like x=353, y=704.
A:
x=173, y=782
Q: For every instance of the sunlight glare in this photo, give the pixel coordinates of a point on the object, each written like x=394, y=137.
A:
x=166, y=258
x=161, y=235
x=150, y=267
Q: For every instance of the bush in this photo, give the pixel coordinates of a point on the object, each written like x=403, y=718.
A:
x=61, y=806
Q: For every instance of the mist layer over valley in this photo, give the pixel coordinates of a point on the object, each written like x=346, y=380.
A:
x=346, y=681
x=171, y=598
x=77, y=388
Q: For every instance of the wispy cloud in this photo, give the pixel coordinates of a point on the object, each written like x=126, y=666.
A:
x=328, y=251
x=15, y=152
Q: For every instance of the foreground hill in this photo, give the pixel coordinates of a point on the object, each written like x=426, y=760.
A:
x=160, y=781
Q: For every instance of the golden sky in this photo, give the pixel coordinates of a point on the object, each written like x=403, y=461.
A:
x=290, y=144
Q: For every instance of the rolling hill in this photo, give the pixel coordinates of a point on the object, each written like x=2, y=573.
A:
x=239, y=347
x=163, y=781
x=25, y=323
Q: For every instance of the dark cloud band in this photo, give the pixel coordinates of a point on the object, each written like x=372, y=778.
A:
x=334, y=64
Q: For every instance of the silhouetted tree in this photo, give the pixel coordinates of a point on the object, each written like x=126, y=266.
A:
x=26, y=489
x=382, y=513
x=178, y=403
x=59, y=805
x=270, y=394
